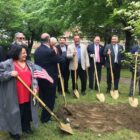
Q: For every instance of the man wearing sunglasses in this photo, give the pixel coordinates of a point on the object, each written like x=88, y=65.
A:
x=20, y=40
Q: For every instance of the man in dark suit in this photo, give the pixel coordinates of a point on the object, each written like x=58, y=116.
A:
x=95, y=49
x=47, y=57
x=116, y=51
x=135, y=50
x=19, y=40
x=62, y=50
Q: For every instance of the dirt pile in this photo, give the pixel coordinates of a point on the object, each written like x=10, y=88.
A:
x=101, y=117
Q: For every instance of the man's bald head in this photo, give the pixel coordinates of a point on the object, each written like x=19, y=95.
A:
x=45, y=38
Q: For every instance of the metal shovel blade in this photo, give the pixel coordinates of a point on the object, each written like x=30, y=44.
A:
x=66, y=128
x=76, y=93
x=114, y=94
x=133, y=101
x=100, y=97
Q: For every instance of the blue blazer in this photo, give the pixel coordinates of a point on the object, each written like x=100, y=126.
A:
x=48, y=59
x=91, y=50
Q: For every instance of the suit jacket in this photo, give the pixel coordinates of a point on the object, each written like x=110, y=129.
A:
x=91, y=50
x=119, y=57
x=48, y=59
x=135, y=48
x=64, y=66
x=84, y=56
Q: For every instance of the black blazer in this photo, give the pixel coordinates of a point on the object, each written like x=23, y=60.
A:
x=48, y=59
x=120, y=54
x=91, y=50
x=65, y=64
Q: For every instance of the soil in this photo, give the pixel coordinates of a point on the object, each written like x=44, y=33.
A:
x=101, y=117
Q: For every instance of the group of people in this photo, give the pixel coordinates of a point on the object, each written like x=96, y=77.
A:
x=17, y=107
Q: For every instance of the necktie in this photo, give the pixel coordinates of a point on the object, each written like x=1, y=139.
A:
x=115, y=52
x=97, y=54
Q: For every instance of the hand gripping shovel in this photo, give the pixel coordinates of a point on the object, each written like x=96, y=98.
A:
x=64, y=127
x=134, y=101
x=62, y=84
x=114, y=93
x=76, y=93
x=100, y=96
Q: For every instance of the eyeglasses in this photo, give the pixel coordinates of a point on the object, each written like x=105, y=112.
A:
x=21, y=38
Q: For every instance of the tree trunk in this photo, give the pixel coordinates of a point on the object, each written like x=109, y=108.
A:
x=30, y=42
x=129, y=40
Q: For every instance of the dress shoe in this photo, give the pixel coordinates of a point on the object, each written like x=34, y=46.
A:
x=14, y=136
x=83, y=93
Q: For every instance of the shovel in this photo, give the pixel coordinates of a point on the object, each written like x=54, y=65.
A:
x=100, y=96
x=114, y=93
x=64, y=127
x=76, y=93
x=134, y=101
x=62, y=84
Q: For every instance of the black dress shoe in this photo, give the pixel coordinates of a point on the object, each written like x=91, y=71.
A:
x=83, y=93
x=28, y=131
x=14, y=136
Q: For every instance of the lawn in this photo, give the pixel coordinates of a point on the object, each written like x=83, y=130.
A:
x=50, y=131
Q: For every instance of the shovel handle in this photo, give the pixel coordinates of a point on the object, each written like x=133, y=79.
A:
x=38, y=99
x=62, y=83
x=75, y=75
x=135, y=74
x=111, y=70
x=96, y=74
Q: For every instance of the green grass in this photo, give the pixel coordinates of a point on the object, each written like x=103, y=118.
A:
x=50, y=131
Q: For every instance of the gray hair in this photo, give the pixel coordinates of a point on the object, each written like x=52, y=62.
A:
x=53, y=40
x=18, y=33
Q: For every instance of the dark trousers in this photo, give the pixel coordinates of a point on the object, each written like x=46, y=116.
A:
x=25, y=113
x=47, y=94
x=132, y=83
x=116, y=72
x=83, y=77
x=65, y=75
x=91, y=71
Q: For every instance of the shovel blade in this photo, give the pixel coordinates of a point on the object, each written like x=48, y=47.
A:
x=133, y=101
x=76, y=93
x=114, y=94
x=66, y=128
x=100, y=97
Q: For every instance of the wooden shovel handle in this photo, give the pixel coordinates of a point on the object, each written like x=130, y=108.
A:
x=96, y=74
x=38, y=99
x=111, y=70
x=75, y=75
x=62, y=83
x=135, y=75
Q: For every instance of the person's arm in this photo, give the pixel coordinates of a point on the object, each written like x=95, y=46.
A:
x=56, y=58
x=70, y=54
x=5, y=73
x=87, y=60
x=103, y=56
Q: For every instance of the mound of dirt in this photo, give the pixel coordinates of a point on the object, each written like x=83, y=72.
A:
x=101, y=117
